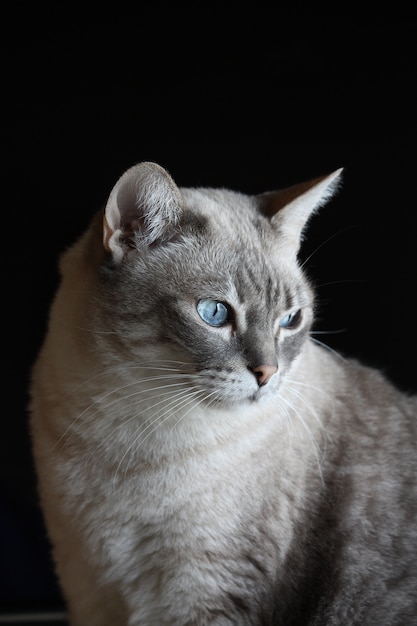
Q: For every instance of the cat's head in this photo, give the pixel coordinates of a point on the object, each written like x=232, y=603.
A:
x=206, y=281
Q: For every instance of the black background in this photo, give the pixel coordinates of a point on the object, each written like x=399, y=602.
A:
x=252, y=101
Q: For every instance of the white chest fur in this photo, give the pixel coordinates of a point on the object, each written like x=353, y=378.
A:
x=167, y=535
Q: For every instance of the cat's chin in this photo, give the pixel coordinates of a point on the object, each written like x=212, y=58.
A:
x=259, y=396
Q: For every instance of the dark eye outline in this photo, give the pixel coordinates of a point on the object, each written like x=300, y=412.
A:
x=222, y=310
x=291, y=321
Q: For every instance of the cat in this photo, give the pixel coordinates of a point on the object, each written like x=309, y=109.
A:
x=201, y=459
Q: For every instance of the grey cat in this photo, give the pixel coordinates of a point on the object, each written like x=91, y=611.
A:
x=201, y=459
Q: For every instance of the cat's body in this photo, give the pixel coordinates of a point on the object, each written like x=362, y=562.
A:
x=201, y=459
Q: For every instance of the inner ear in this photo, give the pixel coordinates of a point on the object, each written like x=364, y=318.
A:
x=131, y=211
x=312, y=193
x=143, y=209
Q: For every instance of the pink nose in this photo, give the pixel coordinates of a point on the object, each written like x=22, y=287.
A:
x=264, y=373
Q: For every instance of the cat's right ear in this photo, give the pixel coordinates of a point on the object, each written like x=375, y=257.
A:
x=142, y=210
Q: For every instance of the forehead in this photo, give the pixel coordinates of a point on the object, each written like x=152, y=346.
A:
x=229, y=249
x=226, y=209
x=230, y=220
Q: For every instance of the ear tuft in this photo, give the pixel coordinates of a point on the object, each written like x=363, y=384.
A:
x=143, y=209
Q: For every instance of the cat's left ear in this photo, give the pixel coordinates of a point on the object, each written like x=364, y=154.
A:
x=290, y=209
x=142, y=210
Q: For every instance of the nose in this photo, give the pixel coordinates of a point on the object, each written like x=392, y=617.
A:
x=263, y=373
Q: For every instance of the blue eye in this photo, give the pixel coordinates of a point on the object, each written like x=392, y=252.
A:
x=291, y=320
x=213, y=312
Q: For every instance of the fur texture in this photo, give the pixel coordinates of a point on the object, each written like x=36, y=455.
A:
x=201, y=460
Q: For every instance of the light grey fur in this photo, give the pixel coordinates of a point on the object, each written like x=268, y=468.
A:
x=193, y=474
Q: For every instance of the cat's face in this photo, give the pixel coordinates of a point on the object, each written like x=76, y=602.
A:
x=197, y=295
x=212, y=303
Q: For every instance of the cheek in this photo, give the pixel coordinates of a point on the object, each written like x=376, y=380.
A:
x=205, y=347
x=212, y=351
x=290, y=348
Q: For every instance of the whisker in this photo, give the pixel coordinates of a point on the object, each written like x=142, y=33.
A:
x=144, y=426
x=307, y=429
x=321, y=390
x=326, y=241
x=326, y=347
x=328, y=332
x=341, y=282
x=156, y=421
x=205, y=398
x=98, y=401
